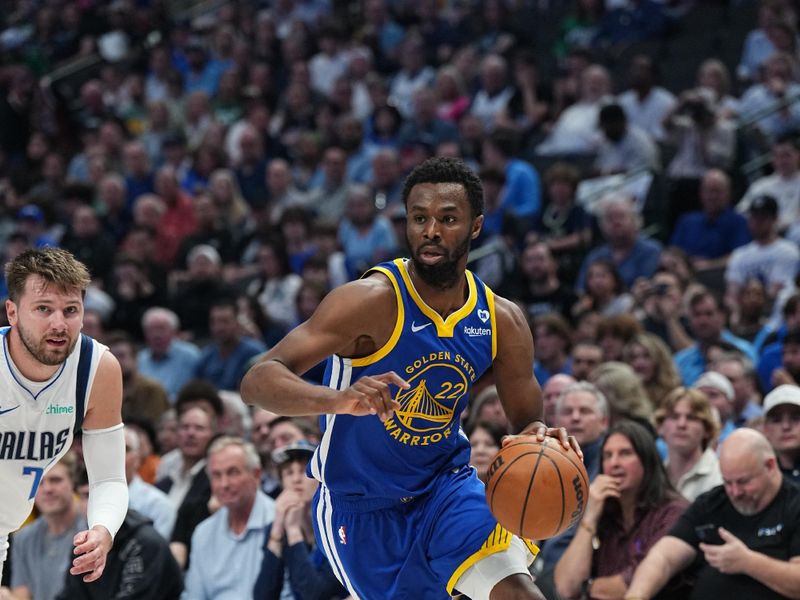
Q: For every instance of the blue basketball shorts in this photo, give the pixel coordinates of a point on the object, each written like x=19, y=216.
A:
x=415, y=549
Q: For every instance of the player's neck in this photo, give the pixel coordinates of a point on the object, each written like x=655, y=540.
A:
x=27, y=364
x=444, y=301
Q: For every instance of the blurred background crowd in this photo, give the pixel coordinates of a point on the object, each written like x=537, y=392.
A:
x=220, y=166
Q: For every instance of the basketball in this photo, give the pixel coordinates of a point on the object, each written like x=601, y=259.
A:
x=537, y=490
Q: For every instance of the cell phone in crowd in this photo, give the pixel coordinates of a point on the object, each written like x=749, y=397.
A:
x=709, y=534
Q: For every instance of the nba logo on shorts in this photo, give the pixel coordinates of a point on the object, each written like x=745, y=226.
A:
x=342, y=535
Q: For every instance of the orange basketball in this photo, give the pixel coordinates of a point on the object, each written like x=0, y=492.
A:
x=537, y=490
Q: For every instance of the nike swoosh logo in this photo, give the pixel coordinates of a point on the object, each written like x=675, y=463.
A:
x=416, y=328
x=8, y=410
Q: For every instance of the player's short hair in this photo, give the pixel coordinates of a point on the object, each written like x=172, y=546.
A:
x=447, y=170
x=54, y=265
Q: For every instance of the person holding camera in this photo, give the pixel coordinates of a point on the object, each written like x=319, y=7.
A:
x=743, y=534
x=703, y=142
x=660, y=298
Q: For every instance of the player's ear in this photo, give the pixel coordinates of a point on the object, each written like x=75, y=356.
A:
x=11, y=312
x=477, y=224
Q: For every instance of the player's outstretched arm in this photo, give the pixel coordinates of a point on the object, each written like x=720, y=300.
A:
x=104, y=454
x=352, y=320
x=517, y=387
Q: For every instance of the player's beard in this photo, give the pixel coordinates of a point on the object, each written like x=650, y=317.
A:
x=444, y=274
x=38, y=348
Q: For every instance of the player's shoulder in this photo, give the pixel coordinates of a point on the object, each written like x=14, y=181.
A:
x=376, y=287
x=108, y=365
x=508, y=313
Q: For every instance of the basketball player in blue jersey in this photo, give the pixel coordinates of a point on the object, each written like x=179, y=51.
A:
x=53, y=380
x=399, y=513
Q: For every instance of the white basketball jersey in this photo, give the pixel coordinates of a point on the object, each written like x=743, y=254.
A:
x=36, y=423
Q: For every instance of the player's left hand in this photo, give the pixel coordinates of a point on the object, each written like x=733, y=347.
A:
x=731, y=557
x=541, y=431
x=91, y=548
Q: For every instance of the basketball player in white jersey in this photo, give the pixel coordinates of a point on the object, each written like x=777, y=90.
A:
x=52, y=381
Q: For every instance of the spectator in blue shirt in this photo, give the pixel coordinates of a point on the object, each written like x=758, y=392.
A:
x=366, y=237
x=165, y=358
x=787, y=371
x=633, y=255
x=707, y=322
x=710, y=235
x=224, y=361
x=522, y=194
x=227, y=548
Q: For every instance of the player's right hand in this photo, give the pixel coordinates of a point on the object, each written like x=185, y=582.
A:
x=371, y=395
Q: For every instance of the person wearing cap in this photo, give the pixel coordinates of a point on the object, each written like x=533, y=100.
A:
x=291, y=547
x=769, y=258
x=782, y=428
x=741, y=539
x=228, y=547
x=719, y=391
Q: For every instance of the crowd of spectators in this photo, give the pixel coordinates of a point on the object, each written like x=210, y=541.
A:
x=220, y=167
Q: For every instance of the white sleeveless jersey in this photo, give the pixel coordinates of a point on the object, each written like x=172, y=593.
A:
x=37, y=420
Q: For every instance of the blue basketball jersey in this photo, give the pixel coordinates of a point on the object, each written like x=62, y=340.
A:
x=440, y=359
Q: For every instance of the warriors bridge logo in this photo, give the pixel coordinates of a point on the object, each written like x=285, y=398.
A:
x=427, y=407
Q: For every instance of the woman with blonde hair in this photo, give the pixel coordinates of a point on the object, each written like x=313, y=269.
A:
x=627, y=398
x=688, y=425
x=227, y=195
x=651, y=359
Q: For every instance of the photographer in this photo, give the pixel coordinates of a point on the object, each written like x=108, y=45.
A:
x=703, y=142
x=660, y=300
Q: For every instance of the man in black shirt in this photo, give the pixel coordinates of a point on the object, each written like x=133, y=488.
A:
x=743, y=536
x=540, y=289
